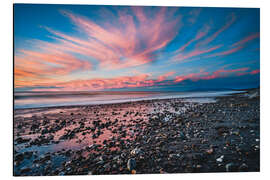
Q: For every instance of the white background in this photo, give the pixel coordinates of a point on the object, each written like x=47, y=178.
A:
x=6, y=70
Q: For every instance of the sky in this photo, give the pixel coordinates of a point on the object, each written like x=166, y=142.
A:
x=131, y=48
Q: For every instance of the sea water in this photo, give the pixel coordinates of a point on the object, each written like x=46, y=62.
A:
x=23, y=100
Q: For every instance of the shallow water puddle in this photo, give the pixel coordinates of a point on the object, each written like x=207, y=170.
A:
x=200, y=100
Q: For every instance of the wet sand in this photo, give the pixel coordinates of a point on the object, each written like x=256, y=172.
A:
x=153, y=136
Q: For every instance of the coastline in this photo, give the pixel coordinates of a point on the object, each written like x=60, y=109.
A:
x=155, y=96
x=148, y=136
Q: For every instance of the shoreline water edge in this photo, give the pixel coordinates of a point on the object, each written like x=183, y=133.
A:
x=30, y=100
x=176, y=135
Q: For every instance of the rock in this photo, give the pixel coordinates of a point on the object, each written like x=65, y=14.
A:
x=19, y=158
x=45, y=159
x=37, y=165
x=175, y=156
x=210, y=151
x=131, y=164
x=167, y=118
x=133, y=171
x=182, y=135
x=107, y=166
x=21, y=140
x=135, y=151
x=28, y=155
x=25, y=170
x=198, y=166
x=182, y=144
x=243, y=167
x=61, y=173
x=220, y=159
x=235, y=133
x=222, y=130
x=116, y=158
x=123, y=155
x=230, y=167
x=253, y=95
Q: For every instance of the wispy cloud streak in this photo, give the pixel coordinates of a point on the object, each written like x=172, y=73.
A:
x=140, y=80
x=246, y=39
x=207, y=75
x=132, y=40
x=131, y=47
x=147, y=80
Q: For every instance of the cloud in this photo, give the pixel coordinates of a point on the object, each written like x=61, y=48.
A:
x=189, y=76
x=203, y=41
x=222, y=73
x=256, y=71
x=200, y=34
x=140, y=80
x=226, y=52
x=194, y=14
x=246, y=39
x=35, y=68
x=127, y=38
x=123, y=43
x=207, y=75
x=132, y=39
x=217, y=33
x=239, y=46
x=165, y=76
x=194, y=53
x=203, y=47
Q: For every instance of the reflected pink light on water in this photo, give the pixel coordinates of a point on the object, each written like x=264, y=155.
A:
x=125, y=114
x=77, y=100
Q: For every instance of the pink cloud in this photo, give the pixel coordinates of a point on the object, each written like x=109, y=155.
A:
x=189, y=76
x=194, y=14
x=140, y=80
x=255, y=71
x=37, y=68
x=227, y=52
x=115, y=45
x=206, y=75
x=125, y=42
x=165, y=76
x=194, y=53
x=200, y=34
x=222, y=73
x=240, y=45
x=246, y=39
x=217, y=33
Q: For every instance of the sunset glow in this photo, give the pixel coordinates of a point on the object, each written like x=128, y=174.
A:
x=95, y=48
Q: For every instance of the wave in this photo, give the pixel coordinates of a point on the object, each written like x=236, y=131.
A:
x=25, y=100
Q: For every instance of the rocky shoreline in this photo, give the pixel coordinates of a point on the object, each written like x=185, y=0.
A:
x=153, y=136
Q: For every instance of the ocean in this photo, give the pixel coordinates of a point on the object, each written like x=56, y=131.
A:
x=24, y=100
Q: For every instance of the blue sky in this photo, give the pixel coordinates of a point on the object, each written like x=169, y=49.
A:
x=92, y=48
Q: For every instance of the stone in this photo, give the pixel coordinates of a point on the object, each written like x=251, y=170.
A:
x=25, y=170
x=230, y=167
x=182, y=135
x=133, y=171
x=243, y=167
x=220, y=159
x=210, y=151
x=131, y=164
x=135, y=151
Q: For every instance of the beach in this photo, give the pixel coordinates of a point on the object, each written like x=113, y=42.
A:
x=174, y=135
